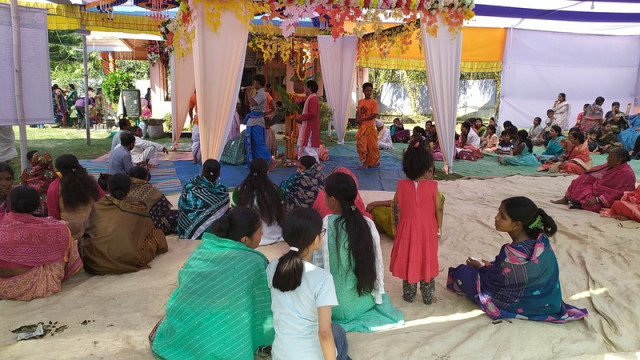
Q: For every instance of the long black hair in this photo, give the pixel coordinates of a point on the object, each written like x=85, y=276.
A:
x=523, y=136
x=236, y=224
x=417, y=160
x=24, y=199
x=211, y=170
x=77, y=187
x=522, y=209
x=343, y=188
x=300, y=229
x=258, y=186
x=119, y=185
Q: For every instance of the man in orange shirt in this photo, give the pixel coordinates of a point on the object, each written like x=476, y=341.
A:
x=367, y=135
x=195, y=129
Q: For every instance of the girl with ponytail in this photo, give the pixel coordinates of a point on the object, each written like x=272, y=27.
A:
x=523, y=280
x=351, y=252
x=303, y=294
x=222, y=289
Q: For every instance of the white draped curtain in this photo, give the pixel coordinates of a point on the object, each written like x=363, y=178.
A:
x=218, y=59
x=183, y=82
x=338, y=62
x=442, y=55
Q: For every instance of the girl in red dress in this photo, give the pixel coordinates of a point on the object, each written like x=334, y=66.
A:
x=414, y=257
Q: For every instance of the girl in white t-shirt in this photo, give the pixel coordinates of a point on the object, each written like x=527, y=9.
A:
x=302, y=295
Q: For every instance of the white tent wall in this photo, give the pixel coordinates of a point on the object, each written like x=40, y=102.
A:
x=538, y=65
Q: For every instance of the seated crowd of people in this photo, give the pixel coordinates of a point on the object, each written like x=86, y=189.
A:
x=331, y=279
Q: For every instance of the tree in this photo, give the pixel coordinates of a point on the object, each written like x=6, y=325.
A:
x=139, y=69
x=114, y=82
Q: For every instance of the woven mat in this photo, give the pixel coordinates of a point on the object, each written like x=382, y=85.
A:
x=163, y=177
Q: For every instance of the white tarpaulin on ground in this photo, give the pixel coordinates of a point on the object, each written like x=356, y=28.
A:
x=538, y=65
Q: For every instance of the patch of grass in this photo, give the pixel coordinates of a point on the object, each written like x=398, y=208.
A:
x=59, y=141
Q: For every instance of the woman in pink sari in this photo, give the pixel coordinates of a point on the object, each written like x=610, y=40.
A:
x=592, y=119
x=36, y=254
x=578, y=159
x=601, y=186
x=627, y=207
x=321, y=206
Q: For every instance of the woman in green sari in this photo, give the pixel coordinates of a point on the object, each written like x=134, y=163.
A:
x=221, y=308
x=554, y=146
x=607, y=140
x=351, y=252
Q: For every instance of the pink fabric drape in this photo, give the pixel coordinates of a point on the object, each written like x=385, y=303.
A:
x=183, y=82
x=218, y=59
x=442, y=54
x=338, y=60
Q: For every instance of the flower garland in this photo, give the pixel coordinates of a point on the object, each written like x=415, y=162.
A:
x=337, y=12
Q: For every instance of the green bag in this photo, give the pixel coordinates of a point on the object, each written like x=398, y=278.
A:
x=233, y=152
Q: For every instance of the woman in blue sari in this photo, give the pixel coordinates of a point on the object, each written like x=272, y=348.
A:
x=523, y=280
x=203, y=200
x=629, y=137
x=554, y=146
x=303, y=187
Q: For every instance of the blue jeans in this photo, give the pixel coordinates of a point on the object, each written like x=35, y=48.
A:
x=340, y=339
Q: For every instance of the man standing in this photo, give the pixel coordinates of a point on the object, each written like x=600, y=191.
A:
x=308, y=136
x=195, y=128
x=254, y=142
x=367, y=136
x=120, y=159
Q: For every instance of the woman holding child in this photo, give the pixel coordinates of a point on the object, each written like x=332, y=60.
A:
x=522, y=153
x=523, y=280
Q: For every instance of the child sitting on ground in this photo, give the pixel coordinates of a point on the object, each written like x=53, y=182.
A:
x=592, y=141
x=505, y=146
x=490, y=140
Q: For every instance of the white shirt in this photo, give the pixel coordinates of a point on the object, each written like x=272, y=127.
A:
x=295, y=313
x=138, y=151
x=384, y=139
x=473, y=139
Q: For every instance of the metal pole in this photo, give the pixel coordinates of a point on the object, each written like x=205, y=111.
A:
x=17, y=65
x=87, y=118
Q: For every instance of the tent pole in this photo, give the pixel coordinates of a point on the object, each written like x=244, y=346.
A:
x=17, y=65
x=87, y=102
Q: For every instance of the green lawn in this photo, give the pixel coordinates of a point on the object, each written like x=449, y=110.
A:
x=59, y=141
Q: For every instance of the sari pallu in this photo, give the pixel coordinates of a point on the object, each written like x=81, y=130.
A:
x=628, y=206
x=608, y=139
x=201, y=203
x=363, y=313
x=159, y=207
x=120, y=238
x=301, y=189
x=221, y=308
x=41, y=245
x=578, y=162
x=40, y=176
x=522, y=283
x=608, y=184
x=554, y=149
x=628, y=137
x=592, y=119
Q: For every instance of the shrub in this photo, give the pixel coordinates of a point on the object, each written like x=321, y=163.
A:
x=114, y=82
